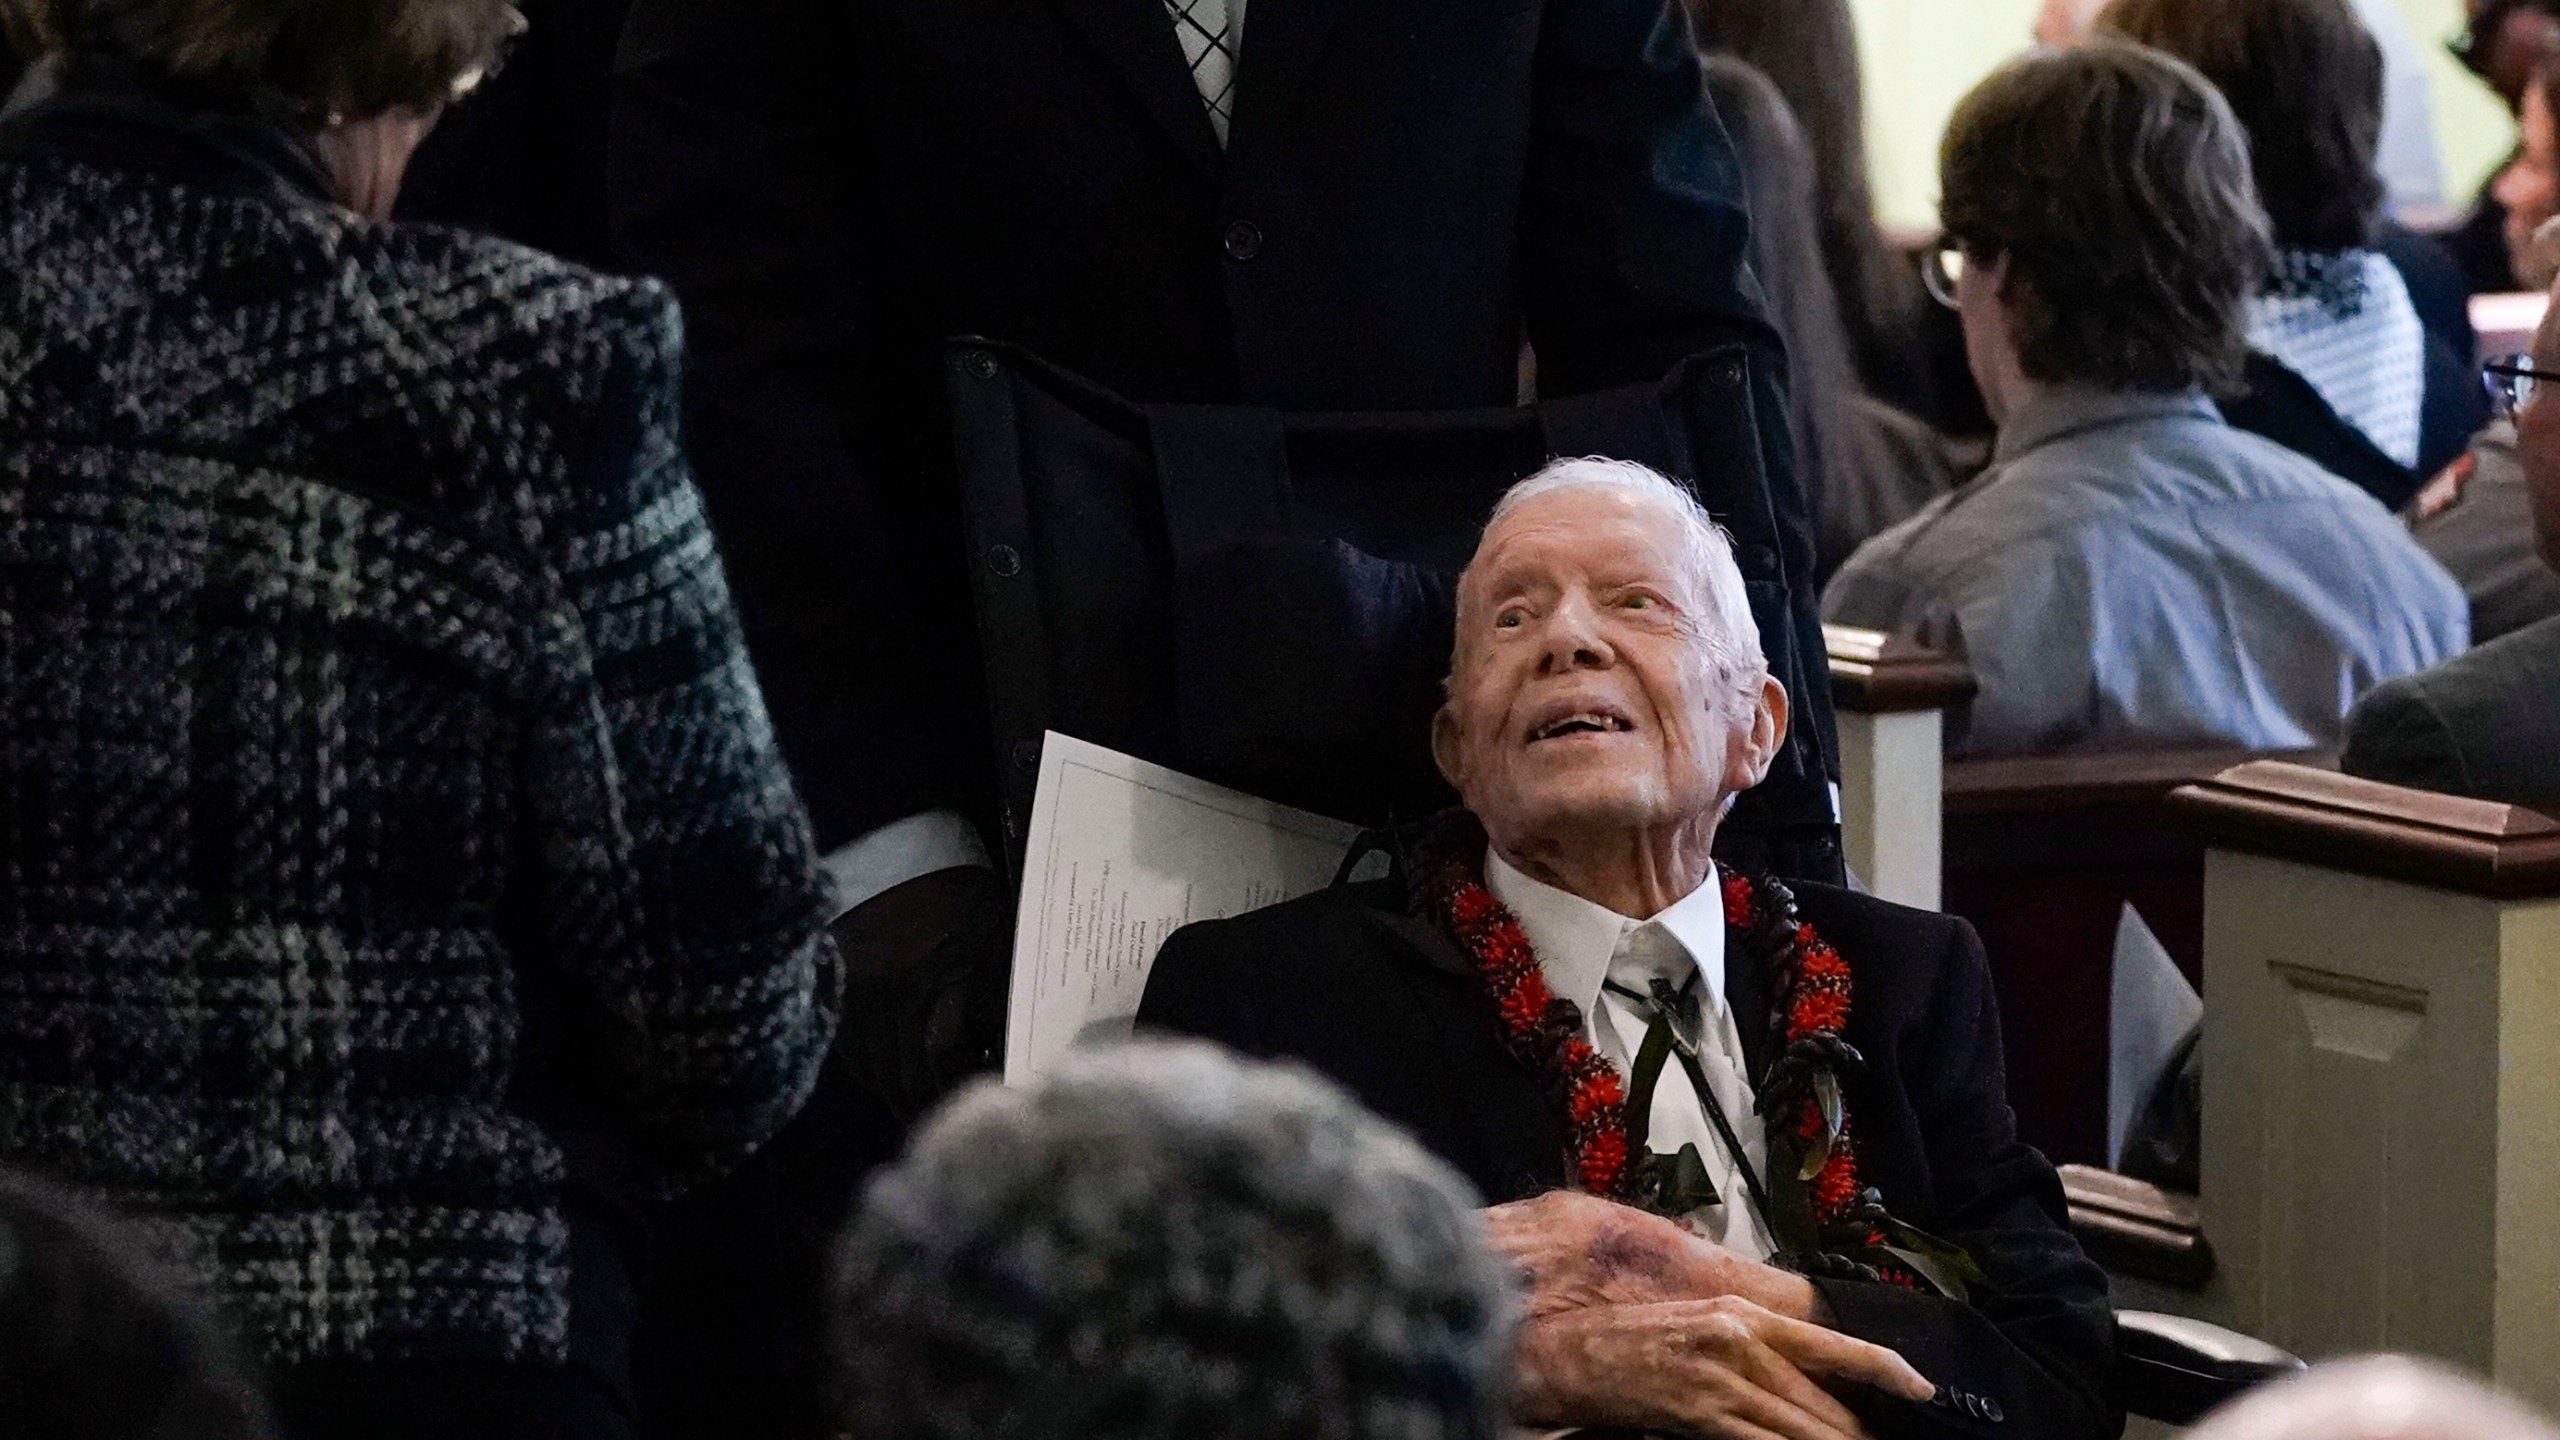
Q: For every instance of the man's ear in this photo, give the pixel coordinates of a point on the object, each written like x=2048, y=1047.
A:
x=1446, y=751
x=1756, y=748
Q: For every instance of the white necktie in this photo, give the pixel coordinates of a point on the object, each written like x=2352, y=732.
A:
x=1649, y=953
x=1211, y=31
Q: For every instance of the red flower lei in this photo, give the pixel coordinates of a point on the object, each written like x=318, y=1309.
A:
x=1545, y=1032
x=1817, y=1010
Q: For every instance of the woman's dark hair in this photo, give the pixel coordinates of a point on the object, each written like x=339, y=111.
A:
x=97, y=1343
x=2116, y=181
x=308, y=57
x=1809, y=50
x=2305, y=79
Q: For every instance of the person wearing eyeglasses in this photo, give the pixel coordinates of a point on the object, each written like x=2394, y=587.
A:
x=2476, y=519
x=2132, y=571
x=2487, y=724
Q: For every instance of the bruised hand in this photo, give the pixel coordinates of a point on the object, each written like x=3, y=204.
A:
x=1574, y=1251
x=1722, y=1369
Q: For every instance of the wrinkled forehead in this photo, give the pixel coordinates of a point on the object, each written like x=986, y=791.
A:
x=1583, y=533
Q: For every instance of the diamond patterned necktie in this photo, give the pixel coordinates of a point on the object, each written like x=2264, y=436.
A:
x=1211, y=32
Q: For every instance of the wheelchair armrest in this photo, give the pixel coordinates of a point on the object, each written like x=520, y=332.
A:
x=2175, y=1369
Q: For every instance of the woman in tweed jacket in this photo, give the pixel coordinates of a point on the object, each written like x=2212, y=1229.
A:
x=391, y=832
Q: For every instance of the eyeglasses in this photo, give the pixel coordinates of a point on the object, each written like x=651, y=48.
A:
x=2512, y=381
x=1941, y=268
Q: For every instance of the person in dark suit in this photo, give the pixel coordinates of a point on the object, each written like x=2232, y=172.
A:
x=1832, y=1159
x=2487, y=723
x=1340, y=205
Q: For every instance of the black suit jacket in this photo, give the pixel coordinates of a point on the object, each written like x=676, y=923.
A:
x=1351, y=984
x=835, y=186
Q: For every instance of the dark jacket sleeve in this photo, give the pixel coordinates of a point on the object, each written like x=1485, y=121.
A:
x=734, y=175
x=2036, y=1346
x=1634, y=230
x=2395, y=734
x=678, y=896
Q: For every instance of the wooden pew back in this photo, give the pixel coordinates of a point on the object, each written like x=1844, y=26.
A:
x=2042, y=855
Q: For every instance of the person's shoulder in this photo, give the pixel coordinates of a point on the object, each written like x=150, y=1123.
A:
x=1842, y=915
x=1227, y=979
x=1311, y=927
x=2497, y=695
x=1961, y=545
x=1902, y=958
x=512, y=290
x=2246, y=467
x=2481, y=724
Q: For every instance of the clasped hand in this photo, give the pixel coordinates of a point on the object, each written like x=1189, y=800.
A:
x=1632, y=1322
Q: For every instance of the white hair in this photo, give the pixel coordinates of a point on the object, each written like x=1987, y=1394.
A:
x=1736, y=636
x=2383, y=1397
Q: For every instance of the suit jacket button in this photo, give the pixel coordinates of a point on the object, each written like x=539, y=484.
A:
x=1244, y=240
x=1991, y=1410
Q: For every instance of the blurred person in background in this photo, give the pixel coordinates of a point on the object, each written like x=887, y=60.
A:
x=2306, y=79
x=2527, y=188
x=1864, y=464
x=1160, y=1241
x=2412, y=169
x=1809, y=49
x=2383, y=1397
x=2507, y=42
x=2132, y=571
x=100, y=1341
x=2475, y=515
x=406, y=887
x=2487, y=723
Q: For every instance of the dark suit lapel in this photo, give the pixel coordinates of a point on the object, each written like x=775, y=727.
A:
x=1135, y=37
x=1282, y=40
x=1504, y=1105
x=1746, y=992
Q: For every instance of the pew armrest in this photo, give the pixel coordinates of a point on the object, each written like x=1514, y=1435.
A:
x=1873, y=673
x=2175, y=1369
x=2137, y=1228
x=2365, y=827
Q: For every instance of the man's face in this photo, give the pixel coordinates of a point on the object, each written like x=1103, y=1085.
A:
x=2515, y=46
x=1587, y=693
x=2064, y=22
x=2529, y=187
x=2538, y=442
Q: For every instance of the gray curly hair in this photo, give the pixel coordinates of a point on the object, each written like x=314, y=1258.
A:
x=1161, y=1242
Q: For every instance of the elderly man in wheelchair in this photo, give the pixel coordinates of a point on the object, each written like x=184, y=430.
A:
x=1749, y=1140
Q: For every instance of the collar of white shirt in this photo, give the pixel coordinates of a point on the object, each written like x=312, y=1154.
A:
x=1575, y=938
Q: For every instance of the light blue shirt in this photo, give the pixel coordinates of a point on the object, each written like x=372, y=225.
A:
x=2132, y=573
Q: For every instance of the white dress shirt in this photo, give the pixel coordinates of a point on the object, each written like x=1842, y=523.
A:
x=1580, y=945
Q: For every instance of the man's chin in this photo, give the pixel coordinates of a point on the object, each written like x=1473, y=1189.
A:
x=1589, y=809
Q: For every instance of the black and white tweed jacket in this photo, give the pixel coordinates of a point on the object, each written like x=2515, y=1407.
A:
x=374, y=726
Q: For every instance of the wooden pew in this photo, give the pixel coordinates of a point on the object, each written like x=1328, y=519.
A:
x=2382, y=1069
x=2043, y=854
x=1888, y=696
x=2138, y=1229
